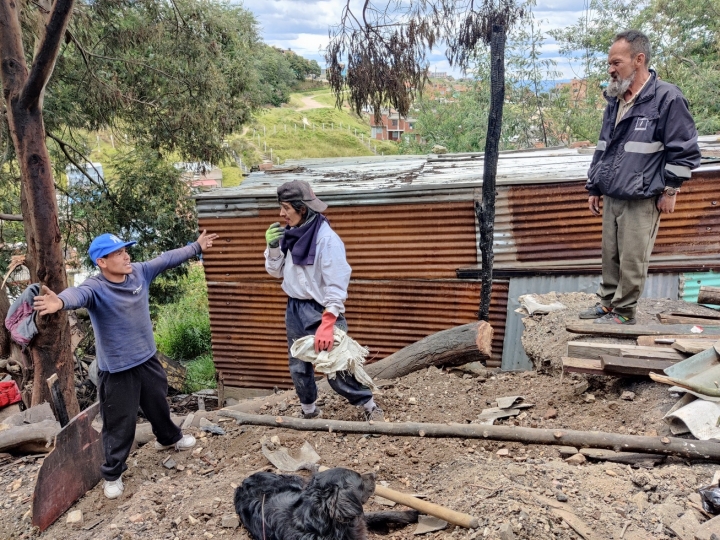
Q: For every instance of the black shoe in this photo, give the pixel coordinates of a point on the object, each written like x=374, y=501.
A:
x=614, y=318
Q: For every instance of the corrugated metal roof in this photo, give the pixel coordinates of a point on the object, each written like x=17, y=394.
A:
x=248, y=331
x=379, y=179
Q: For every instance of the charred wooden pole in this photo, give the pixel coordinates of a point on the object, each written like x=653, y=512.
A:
x=709, y=295
x=23, y=90
x=693, y=449
x=485, y=211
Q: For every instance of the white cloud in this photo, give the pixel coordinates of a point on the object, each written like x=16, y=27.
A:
x=302, y=25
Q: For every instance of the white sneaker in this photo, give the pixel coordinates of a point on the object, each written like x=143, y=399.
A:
x=187, y=442
x=113, y=488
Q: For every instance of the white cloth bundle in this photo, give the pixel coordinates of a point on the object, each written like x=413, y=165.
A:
x=346, y=355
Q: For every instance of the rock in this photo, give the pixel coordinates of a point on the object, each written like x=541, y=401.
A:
x=392, y=451
x=550, y=413
x=580, y=387
x=641, y=479
x=192, y=520
x=506, y=532
x=641, y=501
x=230, y=521
x=589, y=398
x=707, y=530
x=384, y=501
x=169, y=463
x=567, y=451
x=136, y=518
x=628, y=396
x=668, y=512
x=685, y=527
x=503, y=452
x=74, y=518
x=577, y=459
x=412, y=401
x=561, y=497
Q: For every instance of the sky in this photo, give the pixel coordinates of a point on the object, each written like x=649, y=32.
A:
x=302, y=25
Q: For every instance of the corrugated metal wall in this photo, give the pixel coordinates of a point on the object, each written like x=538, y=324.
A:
x=403, y=287
x=551, y=222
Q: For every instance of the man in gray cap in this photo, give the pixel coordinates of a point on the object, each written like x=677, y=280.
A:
x=310, y=257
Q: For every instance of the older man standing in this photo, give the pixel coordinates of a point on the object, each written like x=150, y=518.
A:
x=646, y=149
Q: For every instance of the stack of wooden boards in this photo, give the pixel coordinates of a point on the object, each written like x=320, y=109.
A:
x=658, y=346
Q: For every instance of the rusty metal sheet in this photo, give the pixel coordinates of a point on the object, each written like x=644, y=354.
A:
x=248, y=329
x=414, y=241
x=544, y=223
x=70, y=470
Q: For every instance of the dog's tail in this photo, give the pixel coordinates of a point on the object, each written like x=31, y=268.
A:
x=381, y=520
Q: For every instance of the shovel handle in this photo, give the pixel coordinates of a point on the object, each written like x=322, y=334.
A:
x=432, y=509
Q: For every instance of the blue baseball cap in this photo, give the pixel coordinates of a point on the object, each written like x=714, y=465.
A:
x=104, y=245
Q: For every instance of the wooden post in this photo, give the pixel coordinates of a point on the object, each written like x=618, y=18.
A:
x=709, y=295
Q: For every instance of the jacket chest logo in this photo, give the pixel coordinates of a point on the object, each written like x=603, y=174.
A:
x=641, y=124
x=137, y=291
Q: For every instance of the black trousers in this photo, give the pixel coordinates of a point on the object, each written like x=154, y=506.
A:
x=121, y=394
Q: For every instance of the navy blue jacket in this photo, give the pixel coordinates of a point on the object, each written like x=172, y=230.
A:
x=653, y=146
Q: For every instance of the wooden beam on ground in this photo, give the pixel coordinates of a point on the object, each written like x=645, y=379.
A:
x=635, y=330
x=593, y=349
x=673, y=318
x=652, y=341
x=589, y=366
x=693, y=346
x=709, y=295
x=694, y=449
x=634, y=366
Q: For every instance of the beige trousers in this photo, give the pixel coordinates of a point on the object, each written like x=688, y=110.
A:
x=628, y=236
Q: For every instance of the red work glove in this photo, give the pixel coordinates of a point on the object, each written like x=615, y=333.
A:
x=9, y=393
x=324, y=339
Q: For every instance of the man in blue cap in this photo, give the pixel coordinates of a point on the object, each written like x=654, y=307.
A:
x=129, y=373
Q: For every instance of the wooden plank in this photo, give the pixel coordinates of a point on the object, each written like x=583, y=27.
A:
x=635, y=330
x=634, y=366
x=710, y=316
x=593, y=349
x=583, y=365
x=651, y=341
x=693, y=346
x=669, y=318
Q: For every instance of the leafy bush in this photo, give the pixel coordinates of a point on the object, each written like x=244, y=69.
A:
x=182, y=329
x=200, y=374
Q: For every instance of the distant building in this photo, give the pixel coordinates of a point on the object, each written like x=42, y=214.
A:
x=78, y=178
x=392, y=126
x=201, y=175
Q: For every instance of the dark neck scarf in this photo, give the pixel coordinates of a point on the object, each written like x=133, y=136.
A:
x=301, y=241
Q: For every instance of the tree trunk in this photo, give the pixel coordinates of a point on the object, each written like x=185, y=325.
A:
x=486, y=211
x=453, y=347
x=709, y=295
x=23, y=91
x=689, y=448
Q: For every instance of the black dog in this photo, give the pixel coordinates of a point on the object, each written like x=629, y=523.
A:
x=328, y=507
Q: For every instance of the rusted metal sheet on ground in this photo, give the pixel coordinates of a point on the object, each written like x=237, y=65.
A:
x=416, y=241
x=248, y=328
x=551, y=222
x=69, y=471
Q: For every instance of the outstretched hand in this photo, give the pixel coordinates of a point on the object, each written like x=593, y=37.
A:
x=205, y=240
x=48, y=303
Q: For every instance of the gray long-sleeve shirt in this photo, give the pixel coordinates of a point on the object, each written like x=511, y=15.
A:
x=120, y=312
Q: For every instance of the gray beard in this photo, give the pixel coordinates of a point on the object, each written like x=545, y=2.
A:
x=618, y=87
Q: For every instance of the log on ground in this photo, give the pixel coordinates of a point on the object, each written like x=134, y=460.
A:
x=635, y=330
x=452, y=347
x=709, y=295
x=39, y=435
x=694, y=449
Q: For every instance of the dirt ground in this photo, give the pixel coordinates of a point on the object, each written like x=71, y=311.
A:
x=513, y=495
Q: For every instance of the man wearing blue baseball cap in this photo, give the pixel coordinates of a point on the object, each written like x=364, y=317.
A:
x=129, y=373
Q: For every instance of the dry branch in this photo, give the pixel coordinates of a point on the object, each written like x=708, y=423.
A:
x=586, y=439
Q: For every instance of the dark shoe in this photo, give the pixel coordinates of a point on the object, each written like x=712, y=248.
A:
x=595, y=312
x=614, y=318
x=317, y=413
x=376, y=415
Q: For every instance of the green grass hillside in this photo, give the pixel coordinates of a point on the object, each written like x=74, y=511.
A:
x=288, y=133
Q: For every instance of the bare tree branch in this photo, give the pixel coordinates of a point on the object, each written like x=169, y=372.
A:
x=44, y=61
x=11, y=217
